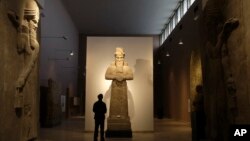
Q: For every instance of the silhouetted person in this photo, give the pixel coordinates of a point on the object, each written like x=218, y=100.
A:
x=99, y=109
x=199, y=113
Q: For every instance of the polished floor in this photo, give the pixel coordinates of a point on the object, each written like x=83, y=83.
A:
x=73, y=130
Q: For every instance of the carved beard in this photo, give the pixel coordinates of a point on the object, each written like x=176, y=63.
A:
x=119, y=63
x=119, y=66
x=119, y=69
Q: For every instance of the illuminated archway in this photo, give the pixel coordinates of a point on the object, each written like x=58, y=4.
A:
x=195, y=74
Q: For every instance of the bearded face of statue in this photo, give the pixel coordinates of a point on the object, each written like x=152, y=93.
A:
x=119, y=59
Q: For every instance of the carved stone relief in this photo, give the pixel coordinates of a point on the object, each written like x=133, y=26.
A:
x=221, y=51
x=222, y=88
x=27, y=44
x=28, y=48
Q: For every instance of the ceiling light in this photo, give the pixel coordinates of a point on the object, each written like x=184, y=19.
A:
x=159, y=62
x=180, y=42
x=167, y=54
x=196, y=13
x=196, y=17
x=71, y=53
x=62, y=37
x=65, y=37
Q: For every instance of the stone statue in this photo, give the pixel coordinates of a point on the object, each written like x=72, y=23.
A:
x=27, y=44
x=28, y=48
x=232, y=99
x=221, y=51
x=221, y=92
x=119, y=72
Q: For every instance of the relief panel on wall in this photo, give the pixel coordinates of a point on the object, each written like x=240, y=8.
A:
x=28, y=47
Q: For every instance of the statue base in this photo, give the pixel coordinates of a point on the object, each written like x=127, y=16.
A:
x=119, y=133
x=119, y=127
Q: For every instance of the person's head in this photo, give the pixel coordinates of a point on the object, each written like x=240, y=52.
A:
x=100, y=96
x=199, y=89
x=119, y=55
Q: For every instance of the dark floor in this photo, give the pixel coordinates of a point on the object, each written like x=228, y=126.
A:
x=73, y=130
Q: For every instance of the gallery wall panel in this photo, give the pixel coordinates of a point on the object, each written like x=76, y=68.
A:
x=139, y=55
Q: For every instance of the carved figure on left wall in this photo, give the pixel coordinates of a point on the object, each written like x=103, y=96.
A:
x=28, y=50
x=27, y=44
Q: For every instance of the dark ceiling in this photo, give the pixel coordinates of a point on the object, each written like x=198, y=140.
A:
x=120, y=17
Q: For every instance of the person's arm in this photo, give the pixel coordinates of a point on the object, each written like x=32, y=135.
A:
x=128, y=73
x=94, y=108
x=105, y=109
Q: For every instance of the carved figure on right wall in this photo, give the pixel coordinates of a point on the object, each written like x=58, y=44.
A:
x=232, y=99
x=221, y=51
x=221, y=88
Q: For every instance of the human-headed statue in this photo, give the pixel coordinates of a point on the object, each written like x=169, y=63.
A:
x=119, y=72
x=119, y=69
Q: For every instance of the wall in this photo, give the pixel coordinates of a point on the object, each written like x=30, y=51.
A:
x=139, y=55
x=1, y=64
x=55, y=50
x=82, y=76
x=238, y=45
x=14, y=125
x=218, y=100
x=174, y=70
x=246, y=20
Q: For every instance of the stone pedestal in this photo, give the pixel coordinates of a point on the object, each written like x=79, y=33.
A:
x=119, y=127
